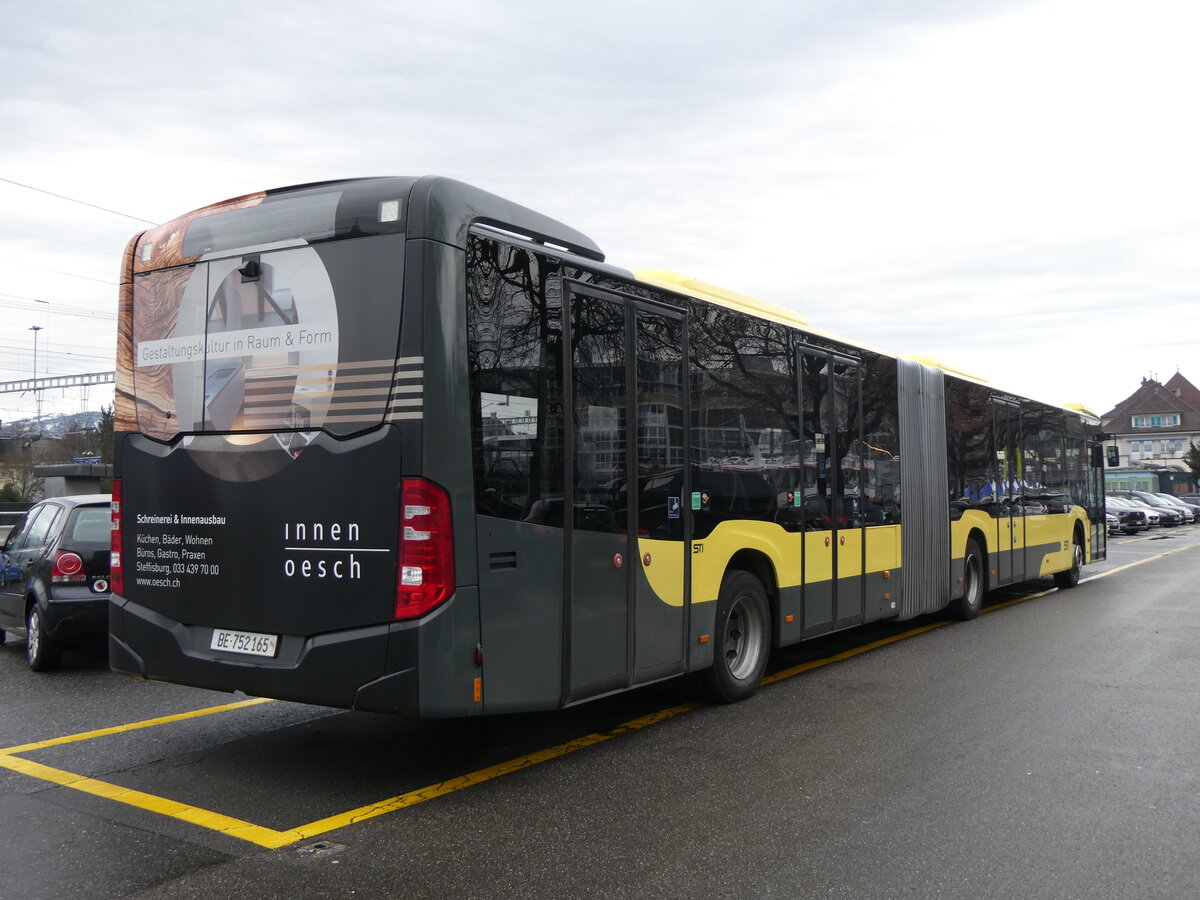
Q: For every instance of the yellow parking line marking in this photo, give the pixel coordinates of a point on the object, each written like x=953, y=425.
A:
x=247, y=831
x=412, y=798
x=273, y=839
x=134, y=726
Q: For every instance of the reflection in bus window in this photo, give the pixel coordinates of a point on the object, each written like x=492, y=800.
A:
x=515, y=328
x=745, y=427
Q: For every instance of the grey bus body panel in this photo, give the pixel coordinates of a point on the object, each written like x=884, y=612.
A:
x=521, y=613
x=791, y=603
x=325, y=669
x=658, y=649
x=374, y=669
x=818, y=608
x=1001, y=561
x=444, y=210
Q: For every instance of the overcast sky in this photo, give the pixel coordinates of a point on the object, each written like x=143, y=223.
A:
x=1009, y=187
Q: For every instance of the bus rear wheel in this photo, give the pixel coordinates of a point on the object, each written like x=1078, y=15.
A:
x=742, y=639
x=968, y=605
x=1070, y=578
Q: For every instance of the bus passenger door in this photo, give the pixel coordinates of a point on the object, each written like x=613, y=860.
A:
x=626, y=569
x=833, y=503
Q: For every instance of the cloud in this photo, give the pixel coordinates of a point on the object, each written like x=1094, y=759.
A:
x=994, y=181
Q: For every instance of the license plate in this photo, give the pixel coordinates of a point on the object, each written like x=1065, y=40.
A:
x=247, y=642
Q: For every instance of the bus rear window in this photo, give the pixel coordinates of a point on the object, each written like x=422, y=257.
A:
x=290, y=337
x=309, y=217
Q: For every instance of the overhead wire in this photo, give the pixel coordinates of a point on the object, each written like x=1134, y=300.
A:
x=59, y=357
x=29, y=265
x=74, y=200
x=53, y=307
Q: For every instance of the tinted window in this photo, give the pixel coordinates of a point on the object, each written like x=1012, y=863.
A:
x=89, y=525
x=17, y=535
x=659, y=443
x=297, y=338
x=598, y=414
x=40, y=527
x=745, y=420
x=514, y=353
x=880, y=441
x=971, y=446
x=350, y=209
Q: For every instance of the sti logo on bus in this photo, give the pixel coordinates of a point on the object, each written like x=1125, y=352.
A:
x=324, y=550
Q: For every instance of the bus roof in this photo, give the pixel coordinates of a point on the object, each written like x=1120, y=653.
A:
x=439, y=209
x=432, y=195
x=712, y=293
x=703, y=290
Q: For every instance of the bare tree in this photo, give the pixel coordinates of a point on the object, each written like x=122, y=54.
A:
x=18, y=484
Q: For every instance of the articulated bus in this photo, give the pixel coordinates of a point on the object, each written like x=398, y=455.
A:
x=400, y=445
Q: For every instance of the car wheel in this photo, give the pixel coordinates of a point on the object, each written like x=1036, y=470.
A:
x=2, y=636
x=1070, y=578
x=743, y=638
x=41, y=652
x=968, y=605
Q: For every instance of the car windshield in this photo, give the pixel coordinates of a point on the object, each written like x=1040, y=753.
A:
x=1152, y=500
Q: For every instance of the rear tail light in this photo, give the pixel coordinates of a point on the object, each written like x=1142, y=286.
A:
x=67, y=568
x=116, y=574
x=426, y=573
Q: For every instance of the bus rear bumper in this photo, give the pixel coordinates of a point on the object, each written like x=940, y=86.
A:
x=373, y=668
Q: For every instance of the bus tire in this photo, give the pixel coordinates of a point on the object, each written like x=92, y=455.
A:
x=41, y=652
x=742, y=639
x=968, y=605
x=1070, y=578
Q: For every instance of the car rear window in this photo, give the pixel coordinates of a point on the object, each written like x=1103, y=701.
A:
x=90, y=525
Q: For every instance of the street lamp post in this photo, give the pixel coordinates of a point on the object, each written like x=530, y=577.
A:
x=36, y=393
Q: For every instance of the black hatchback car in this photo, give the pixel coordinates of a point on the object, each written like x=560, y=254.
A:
x=54, y=583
